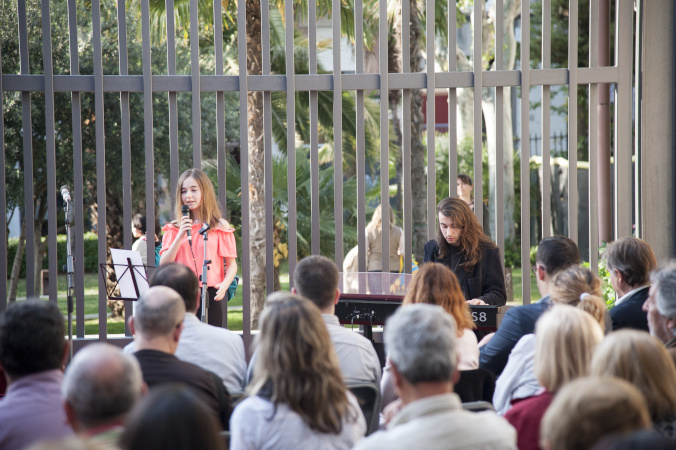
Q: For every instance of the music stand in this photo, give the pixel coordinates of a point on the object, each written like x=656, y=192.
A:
x=130, y=274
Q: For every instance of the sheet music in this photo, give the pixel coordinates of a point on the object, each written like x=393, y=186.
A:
x=124, y=276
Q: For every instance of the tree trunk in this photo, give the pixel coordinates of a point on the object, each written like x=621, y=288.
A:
x=394, y=66
x=418, y=180
x=256, y=164
x=16, y=265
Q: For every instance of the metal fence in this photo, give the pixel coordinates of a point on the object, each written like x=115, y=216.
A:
x=98, y=84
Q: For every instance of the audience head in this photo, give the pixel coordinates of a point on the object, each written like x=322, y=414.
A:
x=661, y=302
x=641, y=360
x=159, y=313
x=171, y=416
x=420, y=341
x=101, y=386
x=316, y=278
x=565, y=340
x=629, y=261
x=590, y=408
x=139, y=222
x=580, y=287
x=436, y=284
x=31, y=338
x=297, y=365
x=556, y=253
x=637, y=439
x=181, y=279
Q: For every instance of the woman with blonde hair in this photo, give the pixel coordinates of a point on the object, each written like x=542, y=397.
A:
x=462, y=246
x=297, y=398
x=643, y=361
x=565, y=339
x=374, y=253
x=575, y=286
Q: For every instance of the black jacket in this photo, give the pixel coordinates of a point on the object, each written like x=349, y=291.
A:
x=485, y=281
x=630, y=314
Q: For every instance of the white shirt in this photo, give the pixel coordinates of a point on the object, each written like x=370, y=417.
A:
x=517, y=380
x=212, y=348
x=440, y=422
x=356, y=355
x=256, y=425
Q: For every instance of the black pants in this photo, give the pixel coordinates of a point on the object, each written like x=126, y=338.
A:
x=215, y=308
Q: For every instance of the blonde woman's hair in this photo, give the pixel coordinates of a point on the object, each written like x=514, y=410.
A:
x=565, y=339
x=377, y=219
x=209, y=210
x=296, y=362
x=436, y=284
x=643, y=361
x=579, y=287
x=589, y=409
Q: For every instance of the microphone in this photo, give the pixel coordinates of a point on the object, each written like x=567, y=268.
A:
x=65, y=193
x=185, y=209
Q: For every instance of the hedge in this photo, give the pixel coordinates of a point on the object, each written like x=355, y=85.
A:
x=90, y=254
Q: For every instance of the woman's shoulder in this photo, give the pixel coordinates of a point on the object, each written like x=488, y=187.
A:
x=170, y=226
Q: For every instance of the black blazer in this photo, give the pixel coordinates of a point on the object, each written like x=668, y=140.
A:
x=629, y=313
x=485, y=281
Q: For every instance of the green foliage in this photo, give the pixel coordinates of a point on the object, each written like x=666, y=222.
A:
x=604, y=274
x=90, y=253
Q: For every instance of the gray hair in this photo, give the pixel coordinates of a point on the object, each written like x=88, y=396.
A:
x=664, y=283
x=102, y=384
x=158, y=311
x=420, y=341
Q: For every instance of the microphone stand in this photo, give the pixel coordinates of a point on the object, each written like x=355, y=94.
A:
x=70, y=270
x=203, y=278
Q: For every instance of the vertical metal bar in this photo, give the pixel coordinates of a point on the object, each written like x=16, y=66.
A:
x=78, y=189
x=383, y=30
x=100, y=159
x=623, y=124
x=546, y=118
x=499, y=207
x=431, y=123
x=406, y=136
x=125, y=135
x=3, y=201
x=525, y=152
x=314, y=131
x=291, y=138
x=27, y=128
x=220, y=116
x=337, y=135
x=360, y=138
x=195, y=86
x=478, y=88
x=148, y=134
x=637, y=114
x=50, y=147
x=572, y=120
x=452, y=106
x=267, y=146
x=244, y=167
x=593, y=142
x=173, y=104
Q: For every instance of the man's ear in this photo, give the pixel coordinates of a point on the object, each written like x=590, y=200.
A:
x=70, y=415
x=132, y=326
x=294, y=291
x=396, y=375
x=541, y=273
x=177, y=332
x=66, y=353
x=671, y=325
x=335, y=300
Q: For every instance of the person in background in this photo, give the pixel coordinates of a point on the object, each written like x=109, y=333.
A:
x=661, y=305
x=462, y=246
x=629, y=261
x=466, y=192
x=374, y=253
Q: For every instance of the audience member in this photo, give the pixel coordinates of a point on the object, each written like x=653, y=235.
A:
x=641, y=360
x=172, y=417
x=420, y=340
x=157, y=327
x=436, y=284
x=642, y=439
x=215, y=349
x=316, y=278
x=661, y=305
x=297, y=398
x=100, y=387
x=554, y=254
x=565, y=339
x=575, y=286
x=629, y=261
x=590, y=408
x=32, y=352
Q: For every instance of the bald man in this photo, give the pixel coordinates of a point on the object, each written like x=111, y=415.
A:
x=157, y=325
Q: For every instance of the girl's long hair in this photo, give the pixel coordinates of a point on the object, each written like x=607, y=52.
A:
x=297, y=363
x=209, y=210
x=471, y=234
x=436, y=284
x=377, y=219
